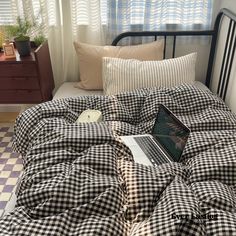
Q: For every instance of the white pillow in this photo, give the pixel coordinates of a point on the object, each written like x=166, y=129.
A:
x=120, y=75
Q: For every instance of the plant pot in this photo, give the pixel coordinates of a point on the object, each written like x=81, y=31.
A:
x=23, y=47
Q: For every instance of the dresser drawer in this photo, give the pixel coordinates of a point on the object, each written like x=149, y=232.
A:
x=20, y=96
x=18, y=70
x=11, y=83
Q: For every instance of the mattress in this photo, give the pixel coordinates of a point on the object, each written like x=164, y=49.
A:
x=67, y=90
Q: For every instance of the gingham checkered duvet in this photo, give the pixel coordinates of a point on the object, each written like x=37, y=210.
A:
x=79, y=179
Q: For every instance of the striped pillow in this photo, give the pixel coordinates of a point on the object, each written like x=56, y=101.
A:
x=120, y=75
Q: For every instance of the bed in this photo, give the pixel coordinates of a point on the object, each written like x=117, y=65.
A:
x=80, y=179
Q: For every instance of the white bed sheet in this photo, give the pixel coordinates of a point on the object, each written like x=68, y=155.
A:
x=67, y=90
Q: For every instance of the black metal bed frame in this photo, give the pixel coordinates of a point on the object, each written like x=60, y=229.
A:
x=229, y=50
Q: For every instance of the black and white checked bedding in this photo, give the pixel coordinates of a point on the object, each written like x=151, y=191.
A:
x=79, y=179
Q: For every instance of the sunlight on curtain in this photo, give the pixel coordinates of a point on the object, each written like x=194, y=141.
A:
x=136, y=15
x=87, y=21
x=5, y=12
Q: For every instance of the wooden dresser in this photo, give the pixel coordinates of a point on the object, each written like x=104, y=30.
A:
x=28, y=79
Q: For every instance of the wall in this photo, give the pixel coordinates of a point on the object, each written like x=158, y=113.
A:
x=216, y=8
x=231, y=95
x=230, y=4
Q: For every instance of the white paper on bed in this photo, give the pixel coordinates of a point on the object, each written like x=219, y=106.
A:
x=90, y=116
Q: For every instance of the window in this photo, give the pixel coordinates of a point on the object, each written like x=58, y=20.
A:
x=5, y=12
x=43, y=11
x=151, y=12
x=157, y=13
x=129, y=15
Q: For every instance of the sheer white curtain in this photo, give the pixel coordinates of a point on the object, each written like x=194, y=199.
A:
x=70, y=27
x=87, y=21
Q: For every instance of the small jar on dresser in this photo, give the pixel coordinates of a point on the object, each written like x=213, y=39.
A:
x=27, y=79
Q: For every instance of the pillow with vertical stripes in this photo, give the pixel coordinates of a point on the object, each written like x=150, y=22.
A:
x=122, y=75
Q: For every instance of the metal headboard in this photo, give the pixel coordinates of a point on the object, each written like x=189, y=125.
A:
x=229, y=49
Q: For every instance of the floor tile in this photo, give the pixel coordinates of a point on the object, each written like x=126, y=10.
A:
x=5, y=197
x=11, y=161
x=11, y=181
x=5, y=174
x=17, y=167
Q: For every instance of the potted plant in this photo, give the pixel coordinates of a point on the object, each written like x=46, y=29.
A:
x=39, y=39
x=21, y=33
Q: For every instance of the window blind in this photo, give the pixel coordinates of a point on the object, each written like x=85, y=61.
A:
x=117, y=16
x=43, y=11
x=6, y=16
x=152, y=12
